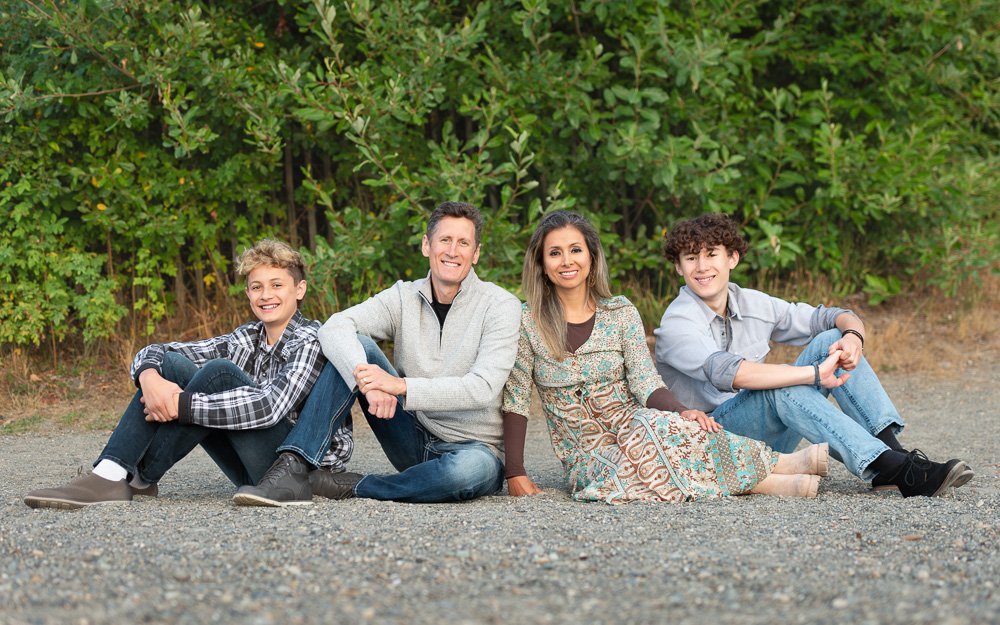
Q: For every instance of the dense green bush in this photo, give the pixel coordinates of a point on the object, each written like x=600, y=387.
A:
x=144, y=144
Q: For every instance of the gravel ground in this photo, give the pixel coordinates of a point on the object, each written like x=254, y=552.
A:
x=190, y=556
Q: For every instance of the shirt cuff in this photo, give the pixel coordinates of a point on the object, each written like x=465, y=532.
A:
x=142, y=368
x=825, y=318
x=720, y=369
x=185, y=414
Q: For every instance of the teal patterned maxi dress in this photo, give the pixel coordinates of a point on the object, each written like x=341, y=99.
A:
x=612, y=447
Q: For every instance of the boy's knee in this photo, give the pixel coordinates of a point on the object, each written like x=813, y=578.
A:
x=825, y=339
x=177, y=368
x=218, y=366
x=217, y=375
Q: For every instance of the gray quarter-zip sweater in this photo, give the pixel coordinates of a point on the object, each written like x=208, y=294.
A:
x=454, y=374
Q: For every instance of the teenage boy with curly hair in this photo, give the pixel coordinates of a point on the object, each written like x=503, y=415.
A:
x=710, y=350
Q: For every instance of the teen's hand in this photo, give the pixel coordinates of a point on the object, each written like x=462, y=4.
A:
x=521, y=486
x=375, y=378
x=706, y=422
x=381, y=404
x=850, y=351
x=828, y=371
x=160, y=397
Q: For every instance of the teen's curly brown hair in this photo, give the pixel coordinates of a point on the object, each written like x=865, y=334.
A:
x=706, y=231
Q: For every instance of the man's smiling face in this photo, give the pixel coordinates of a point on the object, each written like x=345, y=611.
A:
x=452, y=251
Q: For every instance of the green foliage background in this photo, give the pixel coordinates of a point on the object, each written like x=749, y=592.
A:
x=144, y=144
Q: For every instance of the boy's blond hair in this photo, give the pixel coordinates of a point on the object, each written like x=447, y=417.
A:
x=272, y=253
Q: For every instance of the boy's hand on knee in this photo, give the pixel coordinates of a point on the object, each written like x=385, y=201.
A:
x=160, y=397
x=849, y=347
x=828, y=377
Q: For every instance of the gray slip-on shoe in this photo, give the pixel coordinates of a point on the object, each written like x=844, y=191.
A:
x=150, y=491
x=86, y=490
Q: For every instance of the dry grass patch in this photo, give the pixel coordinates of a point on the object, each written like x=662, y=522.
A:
x=87, y=389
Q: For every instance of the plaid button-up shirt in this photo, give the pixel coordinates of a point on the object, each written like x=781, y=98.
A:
x=284, y=374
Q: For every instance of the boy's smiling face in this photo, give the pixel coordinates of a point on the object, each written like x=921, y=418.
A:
x=707, y=274
x=274, y=295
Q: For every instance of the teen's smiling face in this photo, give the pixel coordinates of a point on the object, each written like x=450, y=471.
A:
x=274, y=297
x=452, y=251
x=707, y=274
x=567, y=259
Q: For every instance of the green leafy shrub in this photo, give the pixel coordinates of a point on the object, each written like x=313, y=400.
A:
x=144, y=145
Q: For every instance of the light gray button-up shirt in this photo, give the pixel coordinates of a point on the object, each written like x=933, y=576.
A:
x=698, y=351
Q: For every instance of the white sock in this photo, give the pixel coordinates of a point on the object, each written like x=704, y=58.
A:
x=138, y=483
x=110, y=470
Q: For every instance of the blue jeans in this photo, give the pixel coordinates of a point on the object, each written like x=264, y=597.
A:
x=430, y=470
x=781, y=417
x=148, y=448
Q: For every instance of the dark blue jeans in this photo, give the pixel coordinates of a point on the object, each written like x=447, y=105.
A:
x=148, y=448
x=430, y=470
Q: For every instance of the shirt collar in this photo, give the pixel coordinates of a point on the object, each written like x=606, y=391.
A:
x=732, y=303
x=294, y=325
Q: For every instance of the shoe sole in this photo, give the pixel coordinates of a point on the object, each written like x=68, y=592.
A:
x=957, y=473
x=65, y=504
x=245, y=499
x=885, y=488
x=813, y=491
x=963, y=478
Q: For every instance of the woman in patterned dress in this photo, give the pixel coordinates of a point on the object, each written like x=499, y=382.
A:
x=620, y=434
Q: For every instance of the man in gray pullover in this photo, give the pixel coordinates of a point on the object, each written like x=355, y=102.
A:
x=436, y=409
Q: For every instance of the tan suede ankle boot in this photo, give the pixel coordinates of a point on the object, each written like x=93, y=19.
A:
x=778, y=485
x=813, y=460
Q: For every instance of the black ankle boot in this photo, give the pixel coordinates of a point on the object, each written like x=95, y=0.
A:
x=919, y=476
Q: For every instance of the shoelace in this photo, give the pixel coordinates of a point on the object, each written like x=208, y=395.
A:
x=917, y=465
x=276, y=470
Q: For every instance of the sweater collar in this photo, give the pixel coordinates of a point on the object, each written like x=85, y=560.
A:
x=470, y=283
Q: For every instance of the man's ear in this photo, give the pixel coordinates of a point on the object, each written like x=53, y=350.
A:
x=425, y=247
x=475, y=257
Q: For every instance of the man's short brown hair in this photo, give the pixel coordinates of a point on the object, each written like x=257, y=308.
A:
x=455, y=209
x=692, y=235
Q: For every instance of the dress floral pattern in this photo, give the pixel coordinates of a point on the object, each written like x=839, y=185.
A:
x=612, y=447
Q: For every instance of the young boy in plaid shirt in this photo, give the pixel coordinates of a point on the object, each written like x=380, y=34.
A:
x=236, y=395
